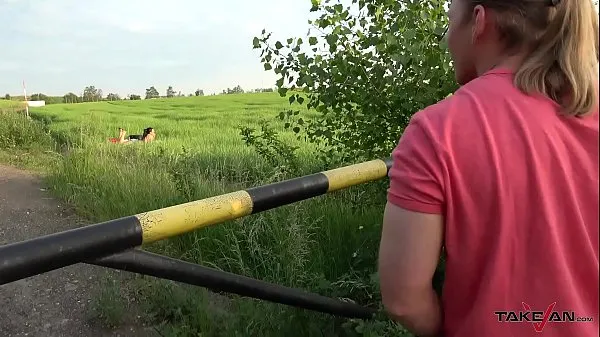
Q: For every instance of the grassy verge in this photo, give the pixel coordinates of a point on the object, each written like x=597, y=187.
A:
x=26, y=144
x=327, y=245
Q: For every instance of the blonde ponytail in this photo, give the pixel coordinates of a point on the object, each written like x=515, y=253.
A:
x=564, y=63
x=561, y=40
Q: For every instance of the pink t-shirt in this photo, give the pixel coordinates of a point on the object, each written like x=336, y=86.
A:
x=518, y=187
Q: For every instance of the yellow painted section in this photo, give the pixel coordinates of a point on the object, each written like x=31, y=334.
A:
x=347, y=176
x=175, y=220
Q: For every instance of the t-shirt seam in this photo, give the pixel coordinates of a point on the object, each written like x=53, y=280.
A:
x=436, y=144
x=415, y=201
x=500, y=71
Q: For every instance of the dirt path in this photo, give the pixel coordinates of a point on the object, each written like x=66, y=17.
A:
x=56, y=303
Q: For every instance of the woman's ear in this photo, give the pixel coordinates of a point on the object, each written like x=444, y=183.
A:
x=479, y=19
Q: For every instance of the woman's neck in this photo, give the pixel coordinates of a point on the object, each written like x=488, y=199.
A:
x=512, y=62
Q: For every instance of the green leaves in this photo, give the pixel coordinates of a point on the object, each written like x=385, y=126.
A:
x=281, y=156
x=332, y=41
x=369, y=80
x=282, y=91
x=315, y=5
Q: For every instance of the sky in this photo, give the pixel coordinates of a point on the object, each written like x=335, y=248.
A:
x=126, y=46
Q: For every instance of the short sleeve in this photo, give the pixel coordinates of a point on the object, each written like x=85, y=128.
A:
x=416, y=176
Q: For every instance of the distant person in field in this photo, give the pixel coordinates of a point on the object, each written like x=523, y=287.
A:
x=502, y=179
x=148, y=136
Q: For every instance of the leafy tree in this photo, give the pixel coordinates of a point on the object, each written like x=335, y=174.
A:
x=199, y=92
x=7, y=97
x=134, y=97
x=236, y=90
x=366, y=71
x=91, y=94
x=38, y=97
x=170, y=92
x=71, y=98
x=113, y=97
x=152, y=93
x=365, y=68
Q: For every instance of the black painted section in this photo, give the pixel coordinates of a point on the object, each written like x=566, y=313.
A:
x=39, y=255
x=388, y=163
x=287, y=192
x=145, y=263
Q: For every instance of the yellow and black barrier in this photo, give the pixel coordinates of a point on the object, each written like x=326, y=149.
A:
x=39, y=255
x=101, y=243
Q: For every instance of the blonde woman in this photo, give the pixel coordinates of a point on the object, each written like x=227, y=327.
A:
x=502, y=177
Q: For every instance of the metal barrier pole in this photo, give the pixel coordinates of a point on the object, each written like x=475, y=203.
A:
x=146, y=263
x=46, y=253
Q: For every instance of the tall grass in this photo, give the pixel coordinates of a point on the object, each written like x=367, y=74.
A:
x=25, y=143
x=327, y=244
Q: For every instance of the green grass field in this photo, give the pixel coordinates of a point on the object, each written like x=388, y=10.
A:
x=10, y=105
x=327, y=245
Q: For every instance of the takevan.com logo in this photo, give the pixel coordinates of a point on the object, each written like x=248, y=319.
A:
x=539, y=319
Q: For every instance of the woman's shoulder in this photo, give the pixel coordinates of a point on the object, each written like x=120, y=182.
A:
x=470, y=100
